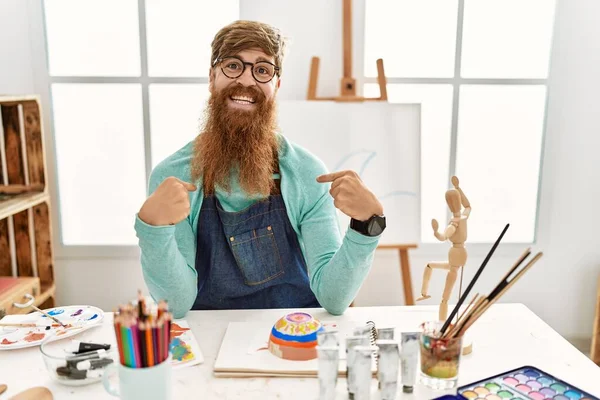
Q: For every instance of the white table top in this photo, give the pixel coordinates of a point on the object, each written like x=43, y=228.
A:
x=506, y=337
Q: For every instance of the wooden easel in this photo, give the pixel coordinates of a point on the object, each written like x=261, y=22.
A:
x=348, y=83
x=348, y=94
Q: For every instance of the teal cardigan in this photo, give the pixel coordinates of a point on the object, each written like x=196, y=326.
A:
x=336, y=267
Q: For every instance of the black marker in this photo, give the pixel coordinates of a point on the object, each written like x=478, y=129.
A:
x=78, y=347
x=93, y=364
x=77, y=374
x=92, y=355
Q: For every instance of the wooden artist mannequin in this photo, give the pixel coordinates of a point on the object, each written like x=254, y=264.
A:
x=456, y=232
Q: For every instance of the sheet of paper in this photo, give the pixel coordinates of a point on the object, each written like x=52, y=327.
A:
x=185, y=349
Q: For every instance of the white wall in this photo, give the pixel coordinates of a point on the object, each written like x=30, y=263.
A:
x=561, y=288
x=15, y=57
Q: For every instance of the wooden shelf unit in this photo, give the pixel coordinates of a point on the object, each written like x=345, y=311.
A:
x=25, y=228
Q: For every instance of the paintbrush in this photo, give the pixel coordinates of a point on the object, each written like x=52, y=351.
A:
x=30, y=325
x=475, y=302
x=502, y=289
x=458, y=327
x=49, y=316
x=472, y=283
x=512, y=269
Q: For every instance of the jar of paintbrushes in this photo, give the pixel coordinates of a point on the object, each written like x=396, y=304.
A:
x=441, y=341
x=440, y=357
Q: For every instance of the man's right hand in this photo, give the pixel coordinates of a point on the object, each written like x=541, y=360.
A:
x=169, y=204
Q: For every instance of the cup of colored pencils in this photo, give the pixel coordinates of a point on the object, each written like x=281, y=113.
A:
x=143, y=339
x=143, y=334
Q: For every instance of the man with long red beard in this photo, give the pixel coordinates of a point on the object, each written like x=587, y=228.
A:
x=243, y=218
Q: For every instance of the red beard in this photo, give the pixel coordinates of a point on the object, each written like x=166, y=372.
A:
x=237, y=138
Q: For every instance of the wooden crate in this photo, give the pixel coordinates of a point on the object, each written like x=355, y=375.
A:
x=25, y=228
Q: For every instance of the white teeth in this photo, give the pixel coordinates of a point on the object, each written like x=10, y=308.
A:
x=242, y=99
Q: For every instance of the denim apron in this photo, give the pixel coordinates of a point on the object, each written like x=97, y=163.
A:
x=250, y=259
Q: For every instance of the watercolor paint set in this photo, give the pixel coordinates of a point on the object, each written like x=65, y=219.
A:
x=522, y=383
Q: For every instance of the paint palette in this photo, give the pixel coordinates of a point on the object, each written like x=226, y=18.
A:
x=77, y=319
x=523, y=383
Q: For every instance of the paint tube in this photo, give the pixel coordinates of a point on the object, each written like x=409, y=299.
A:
x=329, y=357
x=328, y=338
x=409, y=356
x=351, y=342
x=385, y=333
x=388, y=368
x=363, y=362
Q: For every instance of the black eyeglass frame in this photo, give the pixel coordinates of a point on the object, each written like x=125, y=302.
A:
x=245, y=64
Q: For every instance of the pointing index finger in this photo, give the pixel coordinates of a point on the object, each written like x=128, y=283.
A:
x=330, y=177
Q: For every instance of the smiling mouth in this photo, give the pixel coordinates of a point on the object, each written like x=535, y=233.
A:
x=242, y=99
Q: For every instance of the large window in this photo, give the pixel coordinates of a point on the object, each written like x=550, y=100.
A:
x=128, y=83
x=479, y=68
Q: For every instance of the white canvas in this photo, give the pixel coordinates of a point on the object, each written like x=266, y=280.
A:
x=378, y=140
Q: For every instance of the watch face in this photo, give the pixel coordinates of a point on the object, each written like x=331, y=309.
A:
x=376, y=226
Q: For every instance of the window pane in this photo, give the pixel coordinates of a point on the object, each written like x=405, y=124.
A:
x=93, y=38
x=507, y=38
x=175, y=112
x=100, y=161
x=414, y=38
x=436, y=120
x=498, y=158
x=180, y=33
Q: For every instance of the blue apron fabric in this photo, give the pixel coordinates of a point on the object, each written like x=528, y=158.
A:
x=250, y=259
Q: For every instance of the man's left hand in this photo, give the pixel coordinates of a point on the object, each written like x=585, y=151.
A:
x=351, y=196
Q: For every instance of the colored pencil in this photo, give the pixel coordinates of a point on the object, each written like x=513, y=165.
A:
x=169, y=335
x=125, y=349
x=161, y=339
x=119, y=342
x=149, y=345
x=130, y=350
x=156, y=348
x=142, y=343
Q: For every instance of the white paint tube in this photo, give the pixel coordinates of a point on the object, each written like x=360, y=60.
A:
x=364, y=330
x=409, y=357
x=385, y=333
x=363, y=361
x=328, y=338
x=351, y=342
x=388, y=368
x=329, y=357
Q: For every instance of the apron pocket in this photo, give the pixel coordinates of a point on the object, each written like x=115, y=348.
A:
x=256, y=255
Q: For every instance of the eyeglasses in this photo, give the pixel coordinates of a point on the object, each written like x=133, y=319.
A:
x=233, y=67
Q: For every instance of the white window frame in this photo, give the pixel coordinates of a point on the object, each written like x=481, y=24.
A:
x=42, y=84
x=480, y=248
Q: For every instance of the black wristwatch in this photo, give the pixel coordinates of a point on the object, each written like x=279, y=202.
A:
x=374, y=226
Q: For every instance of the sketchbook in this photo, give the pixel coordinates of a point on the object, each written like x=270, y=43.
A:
x=244, y=352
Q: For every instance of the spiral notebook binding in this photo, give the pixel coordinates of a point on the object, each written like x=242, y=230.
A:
x=372, y=332
x=372, y=339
